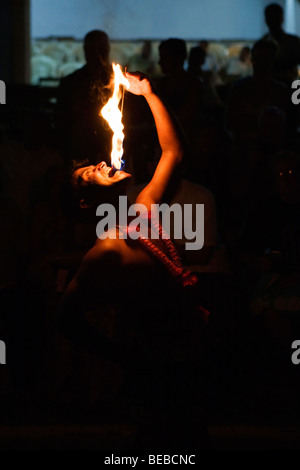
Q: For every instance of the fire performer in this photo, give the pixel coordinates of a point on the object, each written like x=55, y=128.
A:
x=156, y=336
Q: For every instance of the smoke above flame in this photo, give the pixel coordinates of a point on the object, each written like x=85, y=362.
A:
x=113, y=115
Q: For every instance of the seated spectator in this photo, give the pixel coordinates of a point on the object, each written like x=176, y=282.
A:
x=143, y=61
x=196, y=60
x=213, y=64
x=210, y=63
x=241, y=66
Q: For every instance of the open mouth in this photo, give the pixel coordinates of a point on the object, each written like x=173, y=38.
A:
x=109, y=171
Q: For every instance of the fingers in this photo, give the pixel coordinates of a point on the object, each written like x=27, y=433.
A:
x=141, y=76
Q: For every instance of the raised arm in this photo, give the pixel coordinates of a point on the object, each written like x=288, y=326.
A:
x=168, y=172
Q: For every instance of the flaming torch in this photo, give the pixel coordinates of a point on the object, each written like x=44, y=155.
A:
x=113, y=115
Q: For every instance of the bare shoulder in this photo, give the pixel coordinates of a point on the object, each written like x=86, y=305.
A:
x=115, y=251
x=100, y=265
x=107, y=251
x=113, y=262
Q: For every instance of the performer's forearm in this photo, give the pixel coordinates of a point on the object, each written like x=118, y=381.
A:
x=170, y=135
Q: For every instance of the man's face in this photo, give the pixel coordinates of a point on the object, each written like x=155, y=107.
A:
x=99, y=175
x=99, y=182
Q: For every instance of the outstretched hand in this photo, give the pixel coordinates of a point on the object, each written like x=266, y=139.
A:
x=139, y=83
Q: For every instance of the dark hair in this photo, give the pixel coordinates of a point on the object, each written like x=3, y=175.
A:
x=196, y=58
x=246, y=48
x=273, y=10
x=74, y=191
x=175, y=47
x=71, y=194
x=96, y=44
x=97, y=37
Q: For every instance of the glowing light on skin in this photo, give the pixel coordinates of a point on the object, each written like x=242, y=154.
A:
x=113, y=115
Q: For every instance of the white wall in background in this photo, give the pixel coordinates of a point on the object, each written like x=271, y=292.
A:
x=290, y=19
x=154, y=19
x=297, y=18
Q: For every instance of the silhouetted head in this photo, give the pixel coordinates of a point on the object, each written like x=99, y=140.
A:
x=274, y=16
x=245, y=54
x=204, y=44
x=87, y=186
x=172, y=54
x=196, y=60
x=96, y=48
x=263, y=57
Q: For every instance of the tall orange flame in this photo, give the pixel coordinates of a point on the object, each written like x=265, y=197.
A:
x=113, y=115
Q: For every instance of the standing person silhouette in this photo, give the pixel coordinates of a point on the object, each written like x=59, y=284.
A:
x=179, y=88
x=156, y=335
x=80, y=97
x=288, y=53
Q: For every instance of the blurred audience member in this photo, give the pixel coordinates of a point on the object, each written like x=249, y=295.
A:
x=210, y=63
x=288, y=52
x=182, y=91
x=81, y=96
x=143, y=61
x=241, y=66
x=250, y=127
x=252, y=94
x=196, y=60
